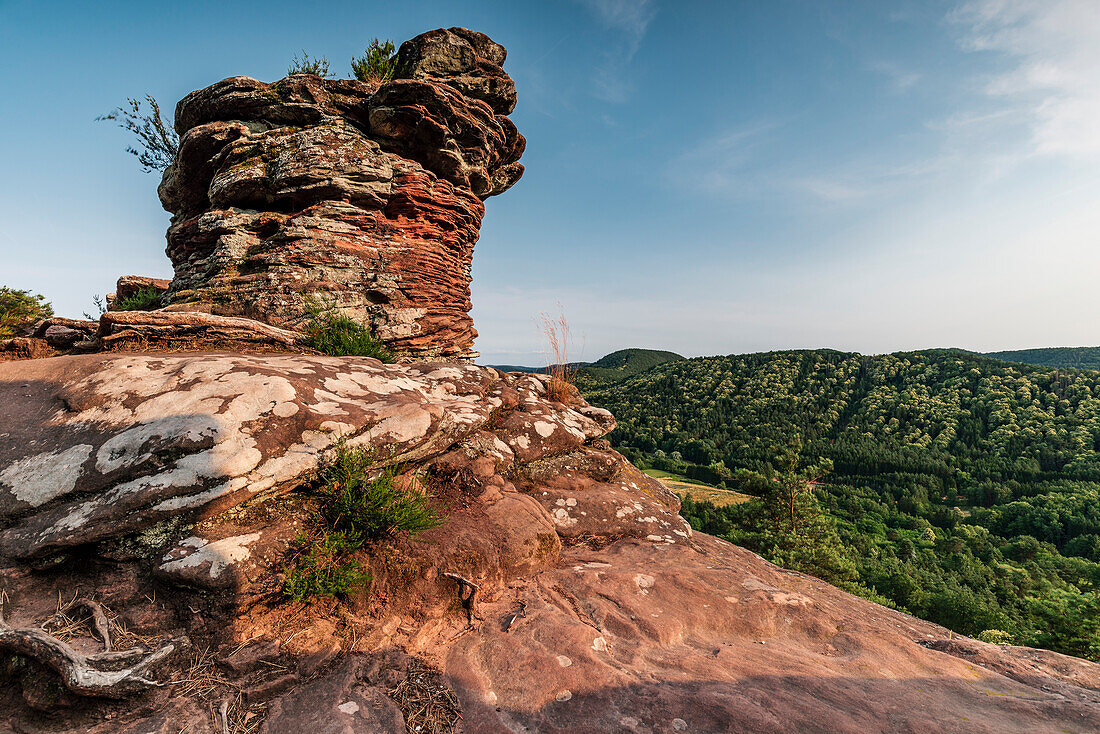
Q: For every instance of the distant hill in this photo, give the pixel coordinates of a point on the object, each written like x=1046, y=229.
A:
x=1080, y=358
x=624, y=363
x=614, y=366
x=516, y=368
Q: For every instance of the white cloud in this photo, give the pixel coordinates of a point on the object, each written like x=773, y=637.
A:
x=719, y=165
x=1054, y=72
x=630, y=19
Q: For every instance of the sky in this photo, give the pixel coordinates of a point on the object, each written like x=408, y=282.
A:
x=705, y=177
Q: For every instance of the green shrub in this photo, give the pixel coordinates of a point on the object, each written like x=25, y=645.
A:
x=19, y=309
x=997, y=637
x=377, y=64
x=145, y=299
x=371, y=509
x=307, y=65
x=323, y=568
x=355, y=510
x=335, y=334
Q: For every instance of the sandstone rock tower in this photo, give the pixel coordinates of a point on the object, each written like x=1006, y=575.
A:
x=364, y=195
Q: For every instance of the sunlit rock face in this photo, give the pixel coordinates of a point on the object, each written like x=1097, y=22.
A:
x=169, y=491
x=367, y=196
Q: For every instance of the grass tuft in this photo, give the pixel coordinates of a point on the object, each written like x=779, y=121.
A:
x=307, y=65
x=145, y=299
x=563, y=373
x=356, y=509
x=337, y=335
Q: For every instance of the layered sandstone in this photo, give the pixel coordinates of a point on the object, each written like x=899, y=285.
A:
x=164, y=492
x=360, y=195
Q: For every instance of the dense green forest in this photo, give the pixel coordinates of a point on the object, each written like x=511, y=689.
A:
x=1079, y=358
x=962, y=489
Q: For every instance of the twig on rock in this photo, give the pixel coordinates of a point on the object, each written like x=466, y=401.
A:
x=469, y=601
x=511, y=618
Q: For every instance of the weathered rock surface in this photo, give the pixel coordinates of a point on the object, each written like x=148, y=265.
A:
x=362, y=195
x=50, y=337
x=168, y=487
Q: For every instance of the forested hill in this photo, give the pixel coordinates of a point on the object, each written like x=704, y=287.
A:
x=964, y=489
x=965, y=418
x=614, y=366
x=1081, y=358
x=624, y=363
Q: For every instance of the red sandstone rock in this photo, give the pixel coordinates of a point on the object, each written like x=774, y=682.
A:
x=130, y=285
x=363, y=196
x=163, y=486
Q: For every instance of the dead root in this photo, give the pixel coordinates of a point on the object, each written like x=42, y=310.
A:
x=107, y=674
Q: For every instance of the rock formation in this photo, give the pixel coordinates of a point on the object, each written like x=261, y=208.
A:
x=129, y=286
x=149, y=500
x=362, y=195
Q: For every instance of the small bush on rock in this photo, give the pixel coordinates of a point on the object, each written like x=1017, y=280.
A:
x=19, y=309
x=146, y=299
x=997, y=637
x=323, y=568
x=372, y=509
x=307, y=65
x=100, y=307
x=377, y=64
x=158, y=138
x=355, y=509
x=337, y=335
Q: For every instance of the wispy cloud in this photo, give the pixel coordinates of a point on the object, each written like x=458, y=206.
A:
x=1053, y=77
x=742, y=163
x=720, y=164
x=630, y=20
x=901, y=79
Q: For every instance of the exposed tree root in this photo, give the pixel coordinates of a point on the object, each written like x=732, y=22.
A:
x=103, y=674
x=100, y=621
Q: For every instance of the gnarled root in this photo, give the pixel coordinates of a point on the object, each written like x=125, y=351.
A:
x=102, y=674
x=100, y=621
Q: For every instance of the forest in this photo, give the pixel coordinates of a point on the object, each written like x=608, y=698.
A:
x=1081, y=358
x=959, y=488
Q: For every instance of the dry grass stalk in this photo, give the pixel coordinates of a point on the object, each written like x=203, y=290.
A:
x=201, y=678
x=558, y=337
x=235, y=717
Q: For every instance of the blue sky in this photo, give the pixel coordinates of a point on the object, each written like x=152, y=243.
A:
x=706, y=177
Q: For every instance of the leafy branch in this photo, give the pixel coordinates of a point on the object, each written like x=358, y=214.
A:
x=159, y=141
